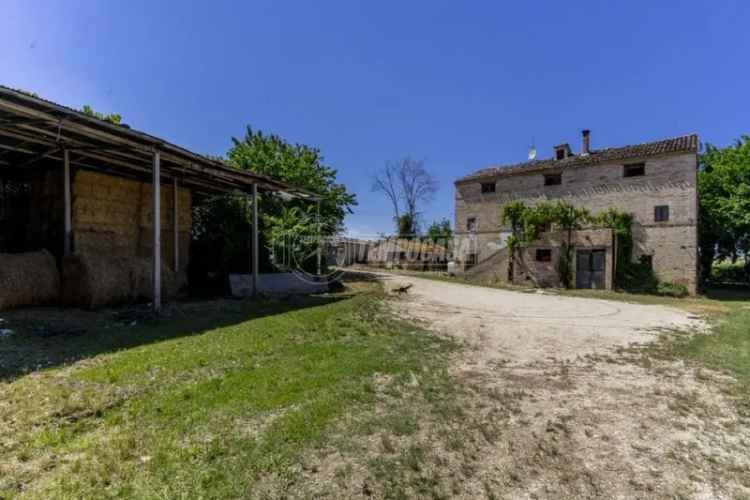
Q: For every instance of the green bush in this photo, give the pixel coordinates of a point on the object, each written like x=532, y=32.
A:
x=637, y=277
x=727, y=273
x=671, y=289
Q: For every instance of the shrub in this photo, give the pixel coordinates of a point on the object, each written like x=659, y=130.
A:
x=637, y=277
x=671, y=289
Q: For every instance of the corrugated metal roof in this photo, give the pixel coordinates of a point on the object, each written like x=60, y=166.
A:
x=37, y=122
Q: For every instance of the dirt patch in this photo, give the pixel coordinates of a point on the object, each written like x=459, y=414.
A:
x=595, y=418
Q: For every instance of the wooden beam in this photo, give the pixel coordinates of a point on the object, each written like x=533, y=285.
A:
x=255, y=240
x=40, y=156
x=156, y=222
x=176, y=225
x=68, y=243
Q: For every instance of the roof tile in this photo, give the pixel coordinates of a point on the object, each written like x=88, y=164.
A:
x=685, y=143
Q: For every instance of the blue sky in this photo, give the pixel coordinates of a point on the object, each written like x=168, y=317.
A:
x=458, y=84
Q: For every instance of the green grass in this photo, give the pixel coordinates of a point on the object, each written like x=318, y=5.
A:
x=208, y=404
x=726, y=349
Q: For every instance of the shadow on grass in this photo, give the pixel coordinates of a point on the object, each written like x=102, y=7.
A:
x=729, y=294
x=49, y=337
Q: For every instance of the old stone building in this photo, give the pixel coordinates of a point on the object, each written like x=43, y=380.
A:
x=655, y=182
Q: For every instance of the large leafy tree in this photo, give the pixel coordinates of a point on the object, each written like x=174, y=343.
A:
x=283, y=219
x=298, y=165
x=724, y=193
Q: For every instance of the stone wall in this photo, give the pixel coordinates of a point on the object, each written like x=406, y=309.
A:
x=669, y=180
x=546, y=274
x=112, y=216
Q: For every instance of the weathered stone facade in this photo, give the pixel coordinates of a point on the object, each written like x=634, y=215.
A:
x=595, y=181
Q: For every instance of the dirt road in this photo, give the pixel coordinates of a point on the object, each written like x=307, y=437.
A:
x=594, y=418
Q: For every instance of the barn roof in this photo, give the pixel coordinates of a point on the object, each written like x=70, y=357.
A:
x=685, y=143
x=34, y=129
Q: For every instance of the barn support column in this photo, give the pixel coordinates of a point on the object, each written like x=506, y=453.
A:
x=320, y=243
x=254, y=250
x=175, y=226
x=156, y=222
x=67, y=244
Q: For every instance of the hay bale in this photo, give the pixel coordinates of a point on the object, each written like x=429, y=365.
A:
x=92, y=281
x=171, y=282
x=28, y=279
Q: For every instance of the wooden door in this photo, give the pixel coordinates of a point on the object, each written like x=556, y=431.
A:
x=590, y=268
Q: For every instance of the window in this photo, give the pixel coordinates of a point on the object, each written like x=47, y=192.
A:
x=543, y=255
x=560, y=154
x=471, y=260
x=488, y=187
x=634, y=170
x=471, y=224
x=661, y=213
x=552, y=179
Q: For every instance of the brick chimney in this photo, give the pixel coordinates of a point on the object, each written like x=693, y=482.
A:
x=585, y=145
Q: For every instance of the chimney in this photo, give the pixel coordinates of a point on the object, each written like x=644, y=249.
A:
x=585, y=145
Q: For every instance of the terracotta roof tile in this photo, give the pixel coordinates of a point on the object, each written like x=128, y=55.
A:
x=685, y=143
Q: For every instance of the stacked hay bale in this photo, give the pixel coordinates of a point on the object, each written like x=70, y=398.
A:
x=92, y=281
x=114, y=239
x=28, y=279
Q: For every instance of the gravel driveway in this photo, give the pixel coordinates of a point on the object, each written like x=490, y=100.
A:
x=593, y=417
x=522, y=327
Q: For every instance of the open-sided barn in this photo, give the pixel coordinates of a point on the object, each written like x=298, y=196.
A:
x=107, y=205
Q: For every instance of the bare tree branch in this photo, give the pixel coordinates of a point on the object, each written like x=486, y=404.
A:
x=406, y=181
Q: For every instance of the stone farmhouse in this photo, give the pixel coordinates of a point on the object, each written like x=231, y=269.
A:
x=654, y=181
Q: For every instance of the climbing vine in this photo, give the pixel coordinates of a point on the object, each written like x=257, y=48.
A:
x=527, y=222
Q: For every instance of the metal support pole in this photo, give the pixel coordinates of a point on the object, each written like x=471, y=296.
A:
x=255, y=240
x=320, y=243
x=67, y=245
x=176, y=226
x=156, y=221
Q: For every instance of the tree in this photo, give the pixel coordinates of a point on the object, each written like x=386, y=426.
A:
x=440, y=230
x=569, y=219
x=111, y=117
x=514, y=214
x=298, y=165
x=724, y=194
x=281, y=218
x=407, y=184
x=406, y=226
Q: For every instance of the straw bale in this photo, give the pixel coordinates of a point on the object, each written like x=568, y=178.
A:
x=94, y=280
x=28, y=279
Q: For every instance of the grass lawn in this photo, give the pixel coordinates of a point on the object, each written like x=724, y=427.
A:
x=216, y=402
x=726, y=348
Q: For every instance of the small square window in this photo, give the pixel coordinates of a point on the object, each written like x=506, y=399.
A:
x=634, y=170
x=553, y=179
x=488, y=187
x=661, y=213
x=560, y=154
x=471, y=224
x=543, y=255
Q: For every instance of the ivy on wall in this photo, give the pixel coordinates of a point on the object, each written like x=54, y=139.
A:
x=527, y=222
